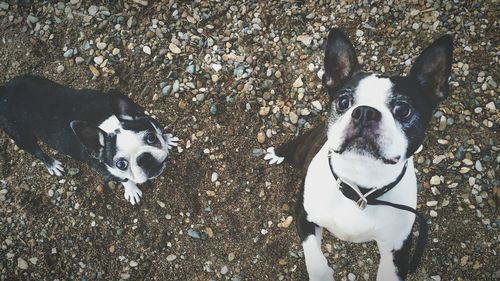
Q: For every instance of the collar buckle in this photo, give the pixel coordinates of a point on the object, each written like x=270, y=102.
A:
x=362, y=202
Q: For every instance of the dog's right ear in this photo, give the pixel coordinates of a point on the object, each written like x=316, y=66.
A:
x=123, y=107
x=91, y=137
x=341, y=62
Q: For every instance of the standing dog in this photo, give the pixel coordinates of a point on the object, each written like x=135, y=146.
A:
x=109, y=131
x=360, y=182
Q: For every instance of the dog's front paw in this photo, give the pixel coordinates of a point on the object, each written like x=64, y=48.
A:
x=325, y=274
x=55, y=168
x=132, y=193
x=272, y=157
x=171, y=141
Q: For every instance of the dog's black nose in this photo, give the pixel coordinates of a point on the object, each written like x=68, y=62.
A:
x=365, y=114
x=145, y=160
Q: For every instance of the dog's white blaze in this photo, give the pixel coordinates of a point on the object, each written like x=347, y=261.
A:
x=110, y=124
x=373, y=91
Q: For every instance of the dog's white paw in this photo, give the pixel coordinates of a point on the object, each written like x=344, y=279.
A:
x=56, y=168
x=132, y=193
x=272, y=157
x=171, y=141
x=325, y=274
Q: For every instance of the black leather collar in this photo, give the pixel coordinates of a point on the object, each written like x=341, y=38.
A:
x=364, y=195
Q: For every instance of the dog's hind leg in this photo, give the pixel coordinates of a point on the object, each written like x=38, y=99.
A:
x=393, y=262
x=25, y=140
x=311, y=235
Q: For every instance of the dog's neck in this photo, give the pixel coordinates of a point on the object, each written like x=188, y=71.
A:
x=364, y=171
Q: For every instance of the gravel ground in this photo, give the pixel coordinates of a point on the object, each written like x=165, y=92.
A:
x=232, y=78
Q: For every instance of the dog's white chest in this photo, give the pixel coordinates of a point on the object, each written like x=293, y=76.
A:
x=327, y=207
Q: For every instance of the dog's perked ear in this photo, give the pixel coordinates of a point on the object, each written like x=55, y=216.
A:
x=432, y=68
x=123, y=107
x=91, y=137
x=340, y=59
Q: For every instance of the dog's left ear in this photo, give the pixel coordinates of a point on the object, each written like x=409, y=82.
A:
x=432, y=68
x=341, y=62
x=91, y=137
x=123, y=107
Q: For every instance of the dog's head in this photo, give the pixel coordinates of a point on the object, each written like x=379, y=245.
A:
x=130, y=143
x=375, y=117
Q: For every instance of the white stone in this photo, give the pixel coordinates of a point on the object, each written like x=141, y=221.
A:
x=305, y=39
x=224, y=270
x=432, y=203
x=214, y=177
x=216, y=67
x=435, y=180
x=298, y=83
x=93, y=10
x=101, y=45
x=491, y=107
x=174, y=49
x=99, y=59
x=146, y=49
x=293, y=117
x=22, y=264
x=171, y=257
x=316, y=104
x=79, y=60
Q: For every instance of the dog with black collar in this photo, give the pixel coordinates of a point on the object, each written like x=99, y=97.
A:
x=360, y=182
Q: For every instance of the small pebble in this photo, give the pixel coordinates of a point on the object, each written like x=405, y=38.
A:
x=214, y=177
x=261, y=137
x=93, y=10
x=298, y=83
x=171, y=257
x=435, y=180
x=174, y=49
x=22, y=264
x=101, y=45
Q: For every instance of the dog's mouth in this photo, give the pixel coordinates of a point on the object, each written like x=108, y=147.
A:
x=362, y=144
x=156, y=171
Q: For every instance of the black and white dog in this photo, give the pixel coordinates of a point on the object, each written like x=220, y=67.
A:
x=361, y=159
x=108, y=131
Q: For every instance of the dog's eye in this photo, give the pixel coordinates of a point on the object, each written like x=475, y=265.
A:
x=121, y=164
x=344, y=102
x=401, y=110
x=151, y=138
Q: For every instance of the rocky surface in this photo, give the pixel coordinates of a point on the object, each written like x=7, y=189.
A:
x=232, y=78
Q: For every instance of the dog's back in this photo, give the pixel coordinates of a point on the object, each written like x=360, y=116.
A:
x=39, y=108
